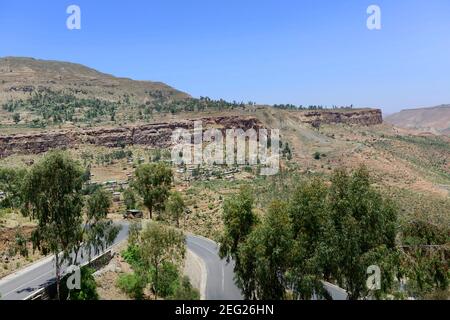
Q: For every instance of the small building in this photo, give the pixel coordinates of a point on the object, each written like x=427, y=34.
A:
x=133, y=214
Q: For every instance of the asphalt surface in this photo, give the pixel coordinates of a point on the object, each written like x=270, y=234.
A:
x=27, y=281
x=220, y=283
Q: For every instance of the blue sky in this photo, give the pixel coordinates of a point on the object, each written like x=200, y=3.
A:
x=268, y=51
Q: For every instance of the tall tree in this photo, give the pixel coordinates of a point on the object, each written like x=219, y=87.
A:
x=239, y=219
x=265, y=256
x=99, y=232
x=312, y=235
x=365, y=226
x=10, y=183
x=321, y=233
x=52, y=196
x=175, y=207
x=152, y=182
x=161, y=244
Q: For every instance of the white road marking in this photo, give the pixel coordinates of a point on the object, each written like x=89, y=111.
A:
x=223, y=279
x=18, y=288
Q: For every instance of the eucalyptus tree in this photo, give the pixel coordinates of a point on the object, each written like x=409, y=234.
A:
x=52, y=196
x=175, y=207
x=153, y=182
x=365, y=226
x=99, y=232
x=160, y=244
x=239, y=220
x=265, y=256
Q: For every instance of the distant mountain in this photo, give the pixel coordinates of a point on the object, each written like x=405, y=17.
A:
x=19, y=77
x=435, y=119
x=43, y=94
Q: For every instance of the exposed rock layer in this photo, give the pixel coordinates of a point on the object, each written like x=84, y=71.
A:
x=364, y=117
x=158, y=135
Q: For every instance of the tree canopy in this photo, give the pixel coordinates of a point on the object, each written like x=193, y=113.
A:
x=321, y=232
x=52, y=196
x=152, y=182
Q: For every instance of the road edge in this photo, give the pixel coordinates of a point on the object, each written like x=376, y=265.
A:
x=203, y=273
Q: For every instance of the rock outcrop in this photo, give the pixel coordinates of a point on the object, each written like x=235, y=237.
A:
x=156, y=135
x=363, y=117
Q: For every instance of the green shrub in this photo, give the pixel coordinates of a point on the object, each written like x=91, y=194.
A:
x=88, y=286
x=167, y=280
x=185, y=291
x=132, y=284
x=132, y=256
x=129, y=198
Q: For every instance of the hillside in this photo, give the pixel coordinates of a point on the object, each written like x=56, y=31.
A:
x=21, y=76
x=41, y=93
x=435, y=120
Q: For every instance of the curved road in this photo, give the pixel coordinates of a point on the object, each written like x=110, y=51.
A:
x=25, y=282
x=219, y=283
x=219, y=274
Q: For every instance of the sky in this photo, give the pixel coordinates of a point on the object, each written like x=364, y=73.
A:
x=268, y=51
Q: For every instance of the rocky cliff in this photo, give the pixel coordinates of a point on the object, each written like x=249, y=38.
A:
x=156, y=135
x=363, y=117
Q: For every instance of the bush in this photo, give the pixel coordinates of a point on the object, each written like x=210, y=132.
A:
x=129, y=198
x=168, y=280
x=132, y=256
x=185, y=291
x=132, y=284
x=90, y=189
x=88, y=286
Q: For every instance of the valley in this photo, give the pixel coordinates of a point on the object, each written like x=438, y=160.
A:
x=111, y=126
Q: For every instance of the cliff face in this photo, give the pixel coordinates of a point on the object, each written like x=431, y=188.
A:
x=363, y=117
x=156, y=135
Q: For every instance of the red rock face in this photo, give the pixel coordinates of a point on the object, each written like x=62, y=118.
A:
x=358, y=117
x=157, y=135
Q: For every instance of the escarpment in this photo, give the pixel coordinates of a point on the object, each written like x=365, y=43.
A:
x=159, y=135
x=363, y=117
x=156, y=135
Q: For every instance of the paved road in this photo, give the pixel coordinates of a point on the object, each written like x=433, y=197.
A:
x=27, y=281
x=220, y=283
